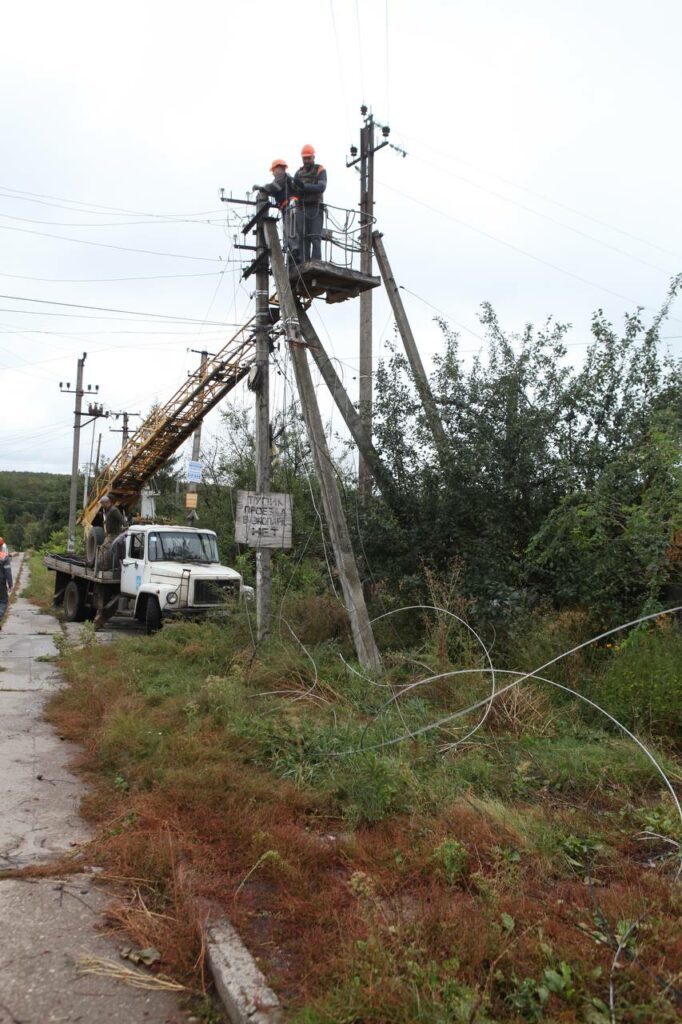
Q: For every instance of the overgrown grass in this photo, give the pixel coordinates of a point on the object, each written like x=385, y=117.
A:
x=40, y=587
x=379, y=881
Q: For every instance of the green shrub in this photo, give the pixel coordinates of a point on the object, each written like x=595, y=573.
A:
x=371, y=787
x=642, y=685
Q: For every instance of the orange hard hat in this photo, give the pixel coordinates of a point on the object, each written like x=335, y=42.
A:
x=308, y=150
x=278, y=163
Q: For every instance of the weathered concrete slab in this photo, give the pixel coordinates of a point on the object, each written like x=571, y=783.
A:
x=40, y=796
x=46, y=925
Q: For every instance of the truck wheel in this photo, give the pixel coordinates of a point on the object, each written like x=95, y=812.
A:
x=152, y=616
x=74, y=602
x=92, y=542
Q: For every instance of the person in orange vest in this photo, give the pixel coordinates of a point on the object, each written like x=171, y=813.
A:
x=5, y=577
x=310, y=181
x=282, y=190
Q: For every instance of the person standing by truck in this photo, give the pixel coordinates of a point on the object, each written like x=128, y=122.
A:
x=113, y=526
x=5, y=578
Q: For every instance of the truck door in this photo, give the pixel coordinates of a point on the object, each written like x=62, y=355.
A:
x=132, y=566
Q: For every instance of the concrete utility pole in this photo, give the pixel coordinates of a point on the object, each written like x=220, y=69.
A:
x=418, y=374
x=363, y=637
x=366, y=161
x=192, y=516
x=259, y=382
x=73, y=494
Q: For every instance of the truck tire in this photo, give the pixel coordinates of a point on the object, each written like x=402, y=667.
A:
x=93, y=540
x=74, y=602
x=152, y=616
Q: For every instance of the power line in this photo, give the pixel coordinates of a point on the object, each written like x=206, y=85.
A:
x=510, y=245
x=388, y=92
x=90, y=334
x=543, y=216
x=544, y=198
x=98, y=206
x=108, y=309
x=111, y=224
x=340, y=67
x=109, y=280
x=107, y=245
x=362, y=71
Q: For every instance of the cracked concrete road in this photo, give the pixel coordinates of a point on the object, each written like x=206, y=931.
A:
x=48, y=924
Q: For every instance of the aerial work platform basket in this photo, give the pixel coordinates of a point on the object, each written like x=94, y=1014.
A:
x=322, y=277
x=337, y=275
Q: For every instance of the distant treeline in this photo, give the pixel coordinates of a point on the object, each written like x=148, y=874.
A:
x=32, y=506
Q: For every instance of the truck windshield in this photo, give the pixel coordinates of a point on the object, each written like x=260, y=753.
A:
x=182, y=547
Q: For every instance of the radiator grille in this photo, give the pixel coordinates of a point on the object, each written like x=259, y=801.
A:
x=214, y=591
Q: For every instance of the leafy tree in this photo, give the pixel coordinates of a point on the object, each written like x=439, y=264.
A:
x=561, y=484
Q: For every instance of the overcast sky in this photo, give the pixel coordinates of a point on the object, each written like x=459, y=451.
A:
x=542, y=175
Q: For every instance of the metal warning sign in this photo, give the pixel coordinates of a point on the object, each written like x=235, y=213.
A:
x=263, y=520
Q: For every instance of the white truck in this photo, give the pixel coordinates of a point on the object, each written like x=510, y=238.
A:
x=159, y=572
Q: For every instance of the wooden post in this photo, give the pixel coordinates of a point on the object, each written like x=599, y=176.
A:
x=192, y=516
x=418, y=374
x=363, y=637
x=261, y=386
x=350, y=415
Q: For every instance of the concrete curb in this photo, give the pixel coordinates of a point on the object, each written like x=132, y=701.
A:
x=240, y=982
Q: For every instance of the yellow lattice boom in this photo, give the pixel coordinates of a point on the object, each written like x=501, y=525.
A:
x=168, y=426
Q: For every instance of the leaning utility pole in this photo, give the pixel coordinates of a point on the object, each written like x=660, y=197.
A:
x=73, y=494
x=365, y=369
x=418, y=372
x=363, y=637
x=259, y=382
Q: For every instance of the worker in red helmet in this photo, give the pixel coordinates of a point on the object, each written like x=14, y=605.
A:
x=282, y=190
x=310, y=181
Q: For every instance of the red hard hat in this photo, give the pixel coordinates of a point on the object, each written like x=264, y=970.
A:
x=308, y=150
x=278, y=163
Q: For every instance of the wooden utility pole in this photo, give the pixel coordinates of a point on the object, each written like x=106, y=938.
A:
x=192, y=516
x=97, y=412
x=260, y=383
x=99, y=449
x=125, y=430
x=350, y=415
x=365, y=370
x=418, y=373
x=365, y=646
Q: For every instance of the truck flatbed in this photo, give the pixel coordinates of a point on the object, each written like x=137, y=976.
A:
x=74, y=566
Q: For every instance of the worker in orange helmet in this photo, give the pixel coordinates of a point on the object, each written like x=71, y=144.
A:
x=310, y=181
x=282, y=190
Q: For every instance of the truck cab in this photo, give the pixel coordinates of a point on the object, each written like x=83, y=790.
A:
x=178, y=567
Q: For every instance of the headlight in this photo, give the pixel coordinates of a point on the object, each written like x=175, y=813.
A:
x=172, y=598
